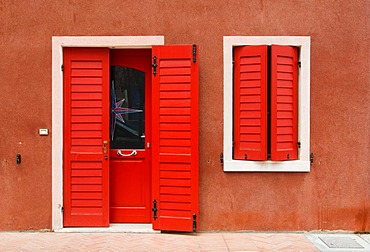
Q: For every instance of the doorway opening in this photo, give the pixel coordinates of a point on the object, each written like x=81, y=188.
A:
x=130, y=133
x=82, y=135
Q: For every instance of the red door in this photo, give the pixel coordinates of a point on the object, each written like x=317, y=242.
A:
x=130, y=165
x=86, y=135
x=175, y=138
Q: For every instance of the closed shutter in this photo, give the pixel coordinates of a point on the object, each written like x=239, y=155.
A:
x=175, y=137
x=284, y=102
x=85, y=152
x=250, y=103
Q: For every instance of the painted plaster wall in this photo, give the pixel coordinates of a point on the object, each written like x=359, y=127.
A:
x=334, y=195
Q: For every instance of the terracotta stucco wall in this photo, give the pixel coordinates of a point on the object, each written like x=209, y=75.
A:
x=334, y=195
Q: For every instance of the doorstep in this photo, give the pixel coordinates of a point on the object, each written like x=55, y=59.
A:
x=113, y=228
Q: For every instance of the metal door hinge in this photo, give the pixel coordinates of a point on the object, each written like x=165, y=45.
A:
x=154, y=65
x=222, y=159
x=194, y=53
x=62, y=209
x=62, y=68
x=299, y=64
x=154, y=209
x=299, y=145
x=194, y=223
x=311, y=158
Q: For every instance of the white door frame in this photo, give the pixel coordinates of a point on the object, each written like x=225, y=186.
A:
x=58, y=42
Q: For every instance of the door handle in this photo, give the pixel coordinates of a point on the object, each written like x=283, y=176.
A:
x=133, y=153
x=105, y=142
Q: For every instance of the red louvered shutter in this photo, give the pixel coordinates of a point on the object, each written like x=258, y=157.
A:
x=250, y=103
x=86, y=118
x=175, y=137
x=284, y=102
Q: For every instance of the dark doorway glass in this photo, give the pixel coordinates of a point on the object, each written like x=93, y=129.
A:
x=127, y=103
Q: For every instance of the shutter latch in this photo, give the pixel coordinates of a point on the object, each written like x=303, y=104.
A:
x=222, y=159
x=311, y=158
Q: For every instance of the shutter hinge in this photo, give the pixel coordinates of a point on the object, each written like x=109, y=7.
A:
x=194, y=223
x=62, y=68
x=154, y=209
x=154, y=65
x=299, y=64
x=62, y=209
x=194, y=53
x=311, y=158
x=222, y=159
x=299, y=145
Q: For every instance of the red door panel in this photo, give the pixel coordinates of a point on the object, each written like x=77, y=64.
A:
x=86, y=135
x=130, y=202
x=175, y=138
x=284, y=102
x=250, y=103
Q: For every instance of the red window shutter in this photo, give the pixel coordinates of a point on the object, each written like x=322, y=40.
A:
x=284, y=102
x=175, y=137
x=86, y=119
x=250, y=102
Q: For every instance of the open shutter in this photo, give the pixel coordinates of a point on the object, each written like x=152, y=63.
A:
x=284, y=102
x=175, y=137
x=250, y=103
x=86, y=135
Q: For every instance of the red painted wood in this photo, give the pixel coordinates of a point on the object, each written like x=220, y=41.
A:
x=130, y=177
x=175, y=138
x=250, y=103
x=284, y=102
x=130, y=190
x=86, y=117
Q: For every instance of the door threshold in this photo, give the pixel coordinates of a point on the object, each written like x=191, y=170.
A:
x=113, y=228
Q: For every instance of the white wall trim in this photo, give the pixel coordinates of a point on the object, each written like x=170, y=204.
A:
x=303, y=163
x=57, y=101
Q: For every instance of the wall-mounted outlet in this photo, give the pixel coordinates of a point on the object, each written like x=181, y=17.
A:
x=43, y=132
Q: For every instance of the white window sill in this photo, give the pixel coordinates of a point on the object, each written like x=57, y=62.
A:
x=266, y=166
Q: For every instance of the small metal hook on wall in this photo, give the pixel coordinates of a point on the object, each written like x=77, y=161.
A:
x=18, y=159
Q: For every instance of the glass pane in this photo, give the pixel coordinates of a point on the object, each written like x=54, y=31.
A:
x=127, y=108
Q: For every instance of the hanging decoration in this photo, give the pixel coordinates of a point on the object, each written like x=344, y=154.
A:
x=117, y=111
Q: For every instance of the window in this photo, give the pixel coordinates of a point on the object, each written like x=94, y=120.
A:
x=252, y=115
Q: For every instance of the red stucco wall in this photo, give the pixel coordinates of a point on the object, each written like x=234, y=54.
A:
x=334, y=195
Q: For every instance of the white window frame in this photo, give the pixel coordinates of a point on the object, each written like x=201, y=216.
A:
x=58, y=42
x=303, y=162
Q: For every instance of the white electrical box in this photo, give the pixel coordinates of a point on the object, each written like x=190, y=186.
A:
x=43, y=132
